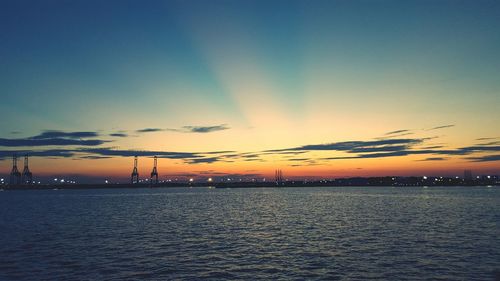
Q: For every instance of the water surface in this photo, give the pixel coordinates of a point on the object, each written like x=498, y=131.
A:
x=330, y=233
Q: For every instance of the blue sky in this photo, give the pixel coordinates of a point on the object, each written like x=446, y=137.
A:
x=264, y=70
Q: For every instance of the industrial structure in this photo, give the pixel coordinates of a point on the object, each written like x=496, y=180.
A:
x=27, y=176
x=154, y=173
x=467, y=175
x=135, y=173
x=24, y=180
x=15, y=175
x=278, y=175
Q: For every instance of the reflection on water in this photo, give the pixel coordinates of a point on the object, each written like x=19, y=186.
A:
x=292, y=233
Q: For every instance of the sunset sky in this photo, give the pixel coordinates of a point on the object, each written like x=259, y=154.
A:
x=240, y=88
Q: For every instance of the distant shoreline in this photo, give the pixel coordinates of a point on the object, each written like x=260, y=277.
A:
x=333, y=183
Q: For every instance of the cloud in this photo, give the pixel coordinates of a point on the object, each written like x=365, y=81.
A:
x=188, y=129
x=379, y=148
x=251, y=160
x=204, y=129
x=41, y=153
x=109, y=152
x=55, y=138
x=397, y=132
x=93, y=157
x=371, y=155
x=250, y=156
x=449, y=152
x=478, y=148
x=357, y=146
x=188, y=157
x=394, y=136
x=432, y=147
x=482, y=139
x=51, y=134
x=485, y=158
x=220, y=152
x=490, y=143
x=119, y=135
x=385, y=148
x=202, y=160
x=298, y=159
x=144, y=153
x=149, y=130
x=433, y=159
x=27, y=142
x=306, y=164
x=441, y=127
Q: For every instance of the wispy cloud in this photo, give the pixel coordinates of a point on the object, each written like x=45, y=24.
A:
x=119, y=135
x=55, y=138
x=441, y=127
x=385, y=148
x=149, y=130
x=478, y=148
x=206, y=160
x=490, y=143
x=485, y=158
x=83, y=145
x=187, y=157
x=433, y=159
x=397, y=132
x=432, y=147
x=450, y=152
x=204, y=129
x=131, y=153
x=29, y=142
x=298, y=159
x=394, y=136
x=94, y=157
x=108, y=152
x=50, y=134
x=188, y=129
x=358, y=146
x=58, y=153
x=483, y=139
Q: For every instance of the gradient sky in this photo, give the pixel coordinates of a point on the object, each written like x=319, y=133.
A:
x=228, y=88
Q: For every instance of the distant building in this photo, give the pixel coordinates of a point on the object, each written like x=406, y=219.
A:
x=467, y=175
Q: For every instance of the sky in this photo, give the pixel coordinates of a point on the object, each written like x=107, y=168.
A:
x=318, y=89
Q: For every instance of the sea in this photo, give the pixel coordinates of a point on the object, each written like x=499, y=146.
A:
x=308, y=233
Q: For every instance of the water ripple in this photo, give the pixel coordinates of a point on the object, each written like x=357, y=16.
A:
x=252, y=234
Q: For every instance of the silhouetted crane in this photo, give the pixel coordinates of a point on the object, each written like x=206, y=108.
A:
x=15, y=175
x=154, y=173
x=27, y=177
x=135, y=173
